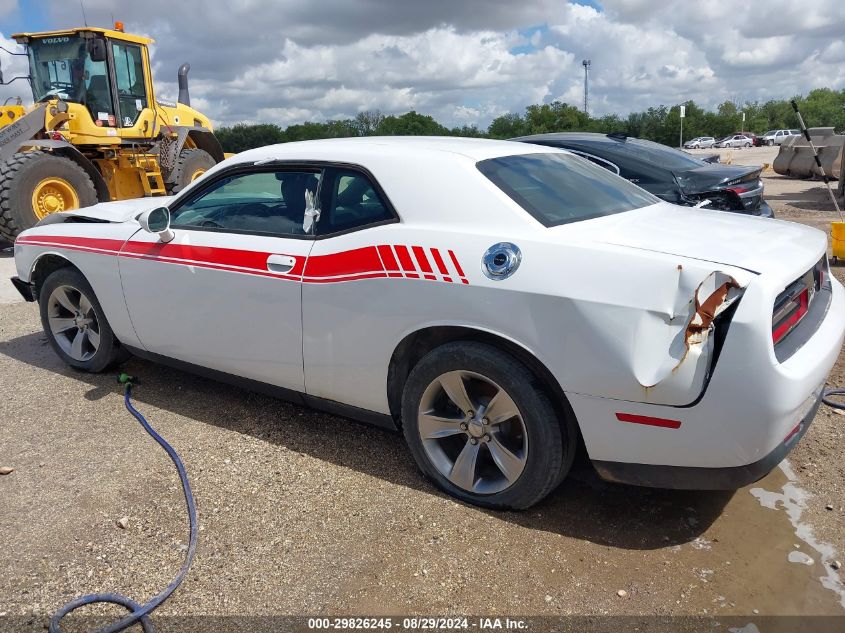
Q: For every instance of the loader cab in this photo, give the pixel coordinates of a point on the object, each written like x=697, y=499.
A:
x=106, y=72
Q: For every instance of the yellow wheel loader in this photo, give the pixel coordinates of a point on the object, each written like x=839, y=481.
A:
x=95, y=131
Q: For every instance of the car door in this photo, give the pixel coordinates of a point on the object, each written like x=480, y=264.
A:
x=344, y=294
x=226, y=292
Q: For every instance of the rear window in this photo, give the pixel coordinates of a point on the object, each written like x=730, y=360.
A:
x=561, y=188
x=653, y=153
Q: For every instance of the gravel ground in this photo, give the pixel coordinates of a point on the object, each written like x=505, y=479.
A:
x=307, y=513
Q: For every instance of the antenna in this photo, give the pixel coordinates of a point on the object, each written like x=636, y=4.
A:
x=84, y=18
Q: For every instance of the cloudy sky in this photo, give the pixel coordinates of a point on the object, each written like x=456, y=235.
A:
x=462, y=61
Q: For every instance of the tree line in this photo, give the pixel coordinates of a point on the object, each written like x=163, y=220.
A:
x=822, y=107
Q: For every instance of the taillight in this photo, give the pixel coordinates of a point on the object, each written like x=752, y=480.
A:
x=819, y=272
x=794, y=302
x=789, y=313
x=738, y=190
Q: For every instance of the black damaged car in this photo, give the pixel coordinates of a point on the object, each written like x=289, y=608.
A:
x=670, y=174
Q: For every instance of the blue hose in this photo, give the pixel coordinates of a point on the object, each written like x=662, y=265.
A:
x=833, y=403
x=140, y=612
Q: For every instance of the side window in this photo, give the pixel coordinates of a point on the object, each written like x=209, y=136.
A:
x=349, y=200
x=131, y=88
x=270, y=202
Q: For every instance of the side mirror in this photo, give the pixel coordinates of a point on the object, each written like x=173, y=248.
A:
x=157, y=221
x=97, y=50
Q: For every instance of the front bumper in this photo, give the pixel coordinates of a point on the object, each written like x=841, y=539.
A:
x=699, y=478
x=27, y=290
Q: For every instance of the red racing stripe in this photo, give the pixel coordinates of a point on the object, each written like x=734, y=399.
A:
x=388, y=259
x=406, y=261
x=71, y=242
x=441, y=265
x=648, y=420
x=458, y=266
x=422, y=260
x=368, y=262
x=357, y=261
x=253, y=260
x=210, y=266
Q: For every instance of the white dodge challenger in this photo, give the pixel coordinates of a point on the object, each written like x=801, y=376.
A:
x=501, y=303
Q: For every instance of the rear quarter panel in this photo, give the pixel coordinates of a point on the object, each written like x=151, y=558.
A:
x=603, y=319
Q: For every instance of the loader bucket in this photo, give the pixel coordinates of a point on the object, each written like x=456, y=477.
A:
x=795, y=157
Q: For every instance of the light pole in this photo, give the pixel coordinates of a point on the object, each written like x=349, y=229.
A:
x=682, y=108
x=586, y=64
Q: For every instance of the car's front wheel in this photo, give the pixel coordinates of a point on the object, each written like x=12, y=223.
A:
x=770, y=142
x=480, y=426
x=74, y=322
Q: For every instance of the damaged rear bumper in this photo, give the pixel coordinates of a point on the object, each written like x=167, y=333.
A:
x=699, y=478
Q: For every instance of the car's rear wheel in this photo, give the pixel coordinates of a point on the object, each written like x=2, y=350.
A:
x=480, y=425
x=75, y=324
x=748, y=145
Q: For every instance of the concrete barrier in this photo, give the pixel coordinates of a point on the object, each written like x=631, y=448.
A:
x=795, y=157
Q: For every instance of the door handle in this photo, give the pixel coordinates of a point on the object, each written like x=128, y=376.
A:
x=280, y=263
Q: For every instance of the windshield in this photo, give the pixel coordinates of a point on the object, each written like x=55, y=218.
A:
x=770, y=133
x=60, y=66
x=560, y=188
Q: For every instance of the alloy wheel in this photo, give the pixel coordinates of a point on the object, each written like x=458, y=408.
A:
x=73, y=323
x=473, y=432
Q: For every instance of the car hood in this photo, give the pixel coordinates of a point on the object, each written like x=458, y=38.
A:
x=714, y=175
x=760, y=245
x=120, y=211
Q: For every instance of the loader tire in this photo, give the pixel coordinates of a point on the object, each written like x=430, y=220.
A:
x=191, y=164
x=35, y=184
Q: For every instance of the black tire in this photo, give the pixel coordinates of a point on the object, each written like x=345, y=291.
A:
x=109, y=351
x=187, y=164
x=552, y=442
x=770, y=142
x=19, y=177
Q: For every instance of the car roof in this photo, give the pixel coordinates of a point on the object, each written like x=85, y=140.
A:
x=416, y=173
x=582, y=137
x=369, y=149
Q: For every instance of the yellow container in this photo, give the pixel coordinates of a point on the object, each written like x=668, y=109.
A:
x=837, y=232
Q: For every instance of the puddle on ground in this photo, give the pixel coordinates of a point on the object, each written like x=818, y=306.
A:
x=759, y=559
x=800, y=557
x=811, y=552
